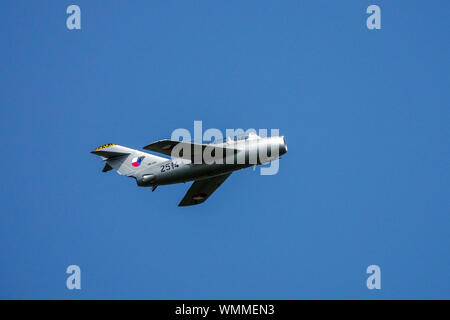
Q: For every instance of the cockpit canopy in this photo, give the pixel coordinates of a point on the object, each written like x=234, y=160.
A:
x=238, y=137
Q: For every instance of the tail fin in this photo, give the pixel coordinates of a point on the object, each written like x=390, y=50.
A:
x=124, y=160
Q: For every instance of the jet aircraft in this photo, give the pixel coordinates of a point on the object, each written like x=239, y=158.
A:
x=208, y=165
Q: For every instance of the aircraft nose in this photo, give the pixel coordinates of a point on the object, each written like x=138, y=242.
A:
x=283, y=146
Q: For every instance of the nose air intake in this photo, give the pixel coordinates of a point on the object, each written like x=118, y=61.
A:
x=285, y=145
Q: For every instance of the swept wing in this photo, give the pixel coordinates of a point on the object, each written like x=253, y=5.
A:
x=200, y=190
x=188, y=150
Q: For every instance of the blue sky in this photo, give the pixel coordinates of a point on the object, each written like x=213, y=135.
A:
x=366, y=179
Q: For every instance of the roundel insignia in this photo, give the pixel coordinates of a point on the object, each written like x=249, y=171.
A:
x=136, y=162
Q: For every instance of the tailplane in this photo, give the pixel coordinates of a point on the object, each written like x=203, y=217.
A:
x=125, y=161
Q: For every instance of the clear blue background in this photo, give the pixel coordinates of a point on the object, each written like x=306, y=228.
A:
x=365, y=114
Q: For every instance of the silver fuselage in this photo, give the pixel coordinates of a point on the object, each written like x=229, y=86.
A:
x=176, y=170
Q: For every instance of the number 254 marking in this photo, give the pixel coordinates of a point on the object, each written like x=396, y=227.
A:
x=168, y=166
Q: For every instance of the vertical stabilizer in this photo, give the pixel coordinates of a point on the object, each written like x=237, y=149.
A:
x=125, y=161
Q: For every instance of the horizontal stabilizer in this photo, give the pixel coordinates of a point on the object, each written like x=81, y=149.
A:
x=125, y=161
x=111, y=151
x=107, y=168
x=109, y=154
